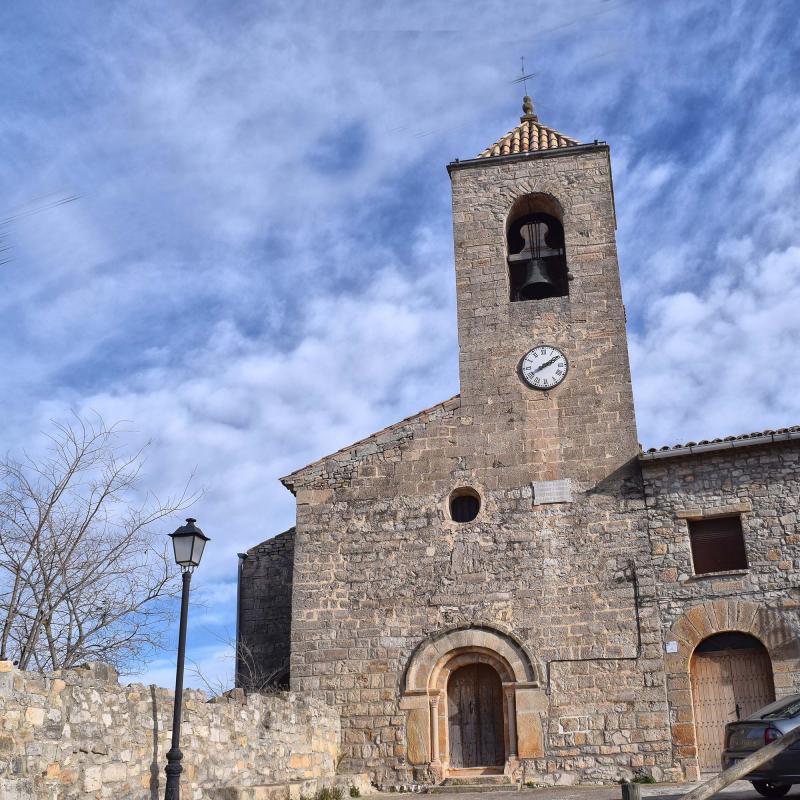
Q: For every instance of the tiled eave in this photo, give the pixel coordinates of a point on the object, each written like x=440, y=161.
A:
x=487, y=161
x=728, y=443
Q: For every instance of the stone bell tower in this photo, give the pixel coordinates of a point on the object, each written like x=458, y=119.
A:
x=536, y=270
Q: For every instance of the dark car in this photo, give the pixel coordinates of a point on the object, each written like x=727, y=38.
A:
x=776, y=777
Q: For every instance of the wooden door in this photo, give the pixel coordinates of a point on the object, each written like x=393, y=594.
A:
x=722, y=680
x=475, y=717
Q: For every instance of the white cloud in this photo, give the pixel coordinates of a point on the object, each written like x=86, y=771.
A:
x=259, y=267
x=723, y=360
x=244, y=412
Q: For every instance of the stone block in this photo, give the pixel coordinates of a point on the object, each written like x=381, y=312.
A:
x=34, y=715
x=418, y=735
x=683, y=734
x=114, y=772
x=698, y=618
x=92, y=779
x=531, y=707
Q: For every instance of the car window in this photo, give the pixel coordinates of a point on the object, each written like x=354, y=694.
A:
x=785, y=710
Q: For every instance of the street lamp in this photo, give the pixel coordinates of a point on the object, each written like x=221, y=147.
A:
x=188, y=542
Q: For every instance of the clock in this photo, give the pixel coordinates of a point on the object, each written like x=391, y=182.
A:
x=543, y=367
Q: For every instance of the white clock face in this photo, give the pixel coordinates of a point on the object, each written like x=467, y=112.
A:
x=543, y=367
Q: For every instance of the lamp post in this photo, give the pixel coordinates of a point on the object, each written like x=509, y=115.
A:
x=188, y=542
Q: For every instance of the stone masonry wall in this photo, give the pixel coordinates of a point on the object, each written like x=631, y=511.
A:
x=265, y=609
x=80, y=734
x=762, y=484
x=380, y=566
x=586, y=427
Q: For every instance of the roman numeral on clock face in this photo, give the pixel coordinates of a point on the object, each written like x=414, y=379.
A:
x=544, y=367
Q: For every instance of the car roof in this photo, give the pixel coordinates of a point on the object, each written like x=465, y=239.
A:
x=777, y=705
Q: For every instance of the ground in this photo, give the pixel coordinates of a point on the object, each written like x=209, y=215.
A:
x=740, y=790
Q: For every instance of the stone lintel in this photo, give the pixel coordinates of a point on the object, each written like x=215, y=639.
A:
x=715, y=511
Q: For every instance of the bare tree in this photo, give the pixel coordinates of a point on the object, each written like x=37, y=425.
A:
x=247, y=672
x=83, y=576
x=253, y=677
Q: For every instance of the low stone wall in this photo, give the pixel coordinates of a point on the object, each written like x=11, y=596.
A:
x=80, y=734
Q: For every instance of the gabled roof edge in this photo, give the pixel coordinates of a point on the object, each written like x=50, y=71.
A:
x=253, y=551
x=289, y=481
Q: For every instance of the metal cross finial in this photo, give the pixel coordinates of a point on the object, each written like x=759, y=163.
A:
x=523, y=79
x=527, y=103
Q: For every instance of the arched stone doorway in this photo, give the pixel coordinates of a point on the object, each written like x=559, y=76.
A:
x=429, y=702
x=731, y=677
x=775, y=630
x=475, y=717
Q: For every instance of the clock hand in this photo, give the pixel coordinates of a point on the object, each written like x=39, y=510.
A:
x=546, y=364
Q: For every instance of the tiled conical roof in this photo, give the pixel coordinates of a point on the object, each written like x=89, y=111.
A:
x=529, y=136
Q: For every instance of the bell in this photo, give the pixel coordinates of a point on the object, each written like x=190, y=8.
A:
x=537, y=283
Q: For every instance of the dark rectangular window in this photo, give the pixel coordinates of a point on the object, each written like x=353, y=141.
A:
x=717, y=544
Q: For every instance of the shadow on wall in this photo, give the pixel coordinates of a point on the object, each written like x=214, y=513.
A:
x=155, y=767
x=626, y=478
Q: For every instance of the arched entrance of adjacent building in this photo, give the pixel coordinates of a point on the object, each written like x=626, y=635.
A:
x=731, y=675
x=773, y=629
x=475, y=717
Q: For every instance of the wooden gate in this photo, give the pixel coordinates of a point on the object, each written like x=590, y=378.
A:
x=475, y=717
x=723, y=680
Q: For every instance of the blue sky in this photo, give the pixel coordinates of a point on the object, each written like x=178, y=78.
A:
x=257, y=268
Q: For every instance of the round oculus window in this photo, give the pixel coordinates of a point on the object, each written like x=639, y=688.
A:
x=465, y=504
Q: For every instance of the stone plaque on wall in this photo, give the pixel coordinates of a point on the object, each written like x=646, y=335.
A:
x=552, y=491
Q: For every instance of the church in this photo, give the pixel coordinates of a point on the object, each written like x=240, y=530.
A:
x=505, y=583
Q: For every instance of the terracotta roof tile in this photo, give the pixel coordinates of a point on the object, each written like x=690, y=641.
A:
x=529, y=136
x=709, y=445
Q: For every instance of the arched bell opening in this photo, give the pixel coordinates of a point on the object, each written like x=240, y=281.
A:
x=731, y=677
x=537, y=262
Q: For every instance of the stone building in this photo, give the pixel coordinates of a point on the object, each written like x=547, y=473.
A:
x=504, y=582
